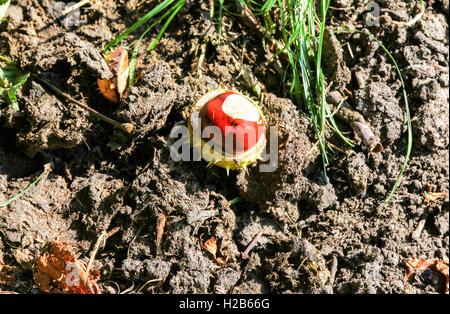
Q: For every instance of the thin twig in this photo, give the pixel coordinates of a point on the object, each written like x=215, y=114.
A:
x=200, y=59
x=129, y=289
x=337, y=148
x=160, y=230
x=126, y=127
x=355, y=120
x=253, y=243
x=333, y=270
x=410, y=22
x=418, y=231
x=340, y=9
x=117, y=285
x=100, y=241
x=75, y=6
x=134, y=238
x=150, y=281
x=344, y=258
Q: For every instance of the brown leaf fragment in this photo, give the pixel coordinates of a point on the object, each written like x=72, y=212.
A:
x=439, y=267
x=57, y=270
x=434, y=196
x=211, y=246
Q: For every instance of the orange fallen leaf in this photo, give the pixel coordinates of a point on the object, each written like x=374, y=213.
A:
x=442, y=267
x=433, y=196
x=211, y=246
x=437, y=266
x=221, y=261
x=57, y=270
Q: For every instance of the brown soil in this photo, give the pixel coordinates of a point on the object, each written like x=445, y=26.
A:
x=102, y=178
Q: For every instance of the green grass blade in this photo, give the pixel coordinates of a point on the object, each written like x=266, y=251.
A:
x=303, y=46
x=23, y=192
x=299, y=234
x=178, y=7
x=136, y=48
x=133, y=57
x=408, y=115
x=136, y=25
x=268, y=5
x=335, y=127
x=4, y=5
x=11, y=79
x=249, y=6
x=219, y=33
x=234, y=201
x=6, y=240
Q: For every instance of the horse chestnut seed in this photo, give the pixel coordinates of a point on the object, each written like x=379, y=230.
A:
x=228, y=128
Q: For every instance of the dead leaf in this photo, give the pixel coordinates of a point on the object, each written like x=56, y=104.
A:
x=437, y=266
x=211, y=246
x=221, y=261
x=57, y=270
x=434, y=196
